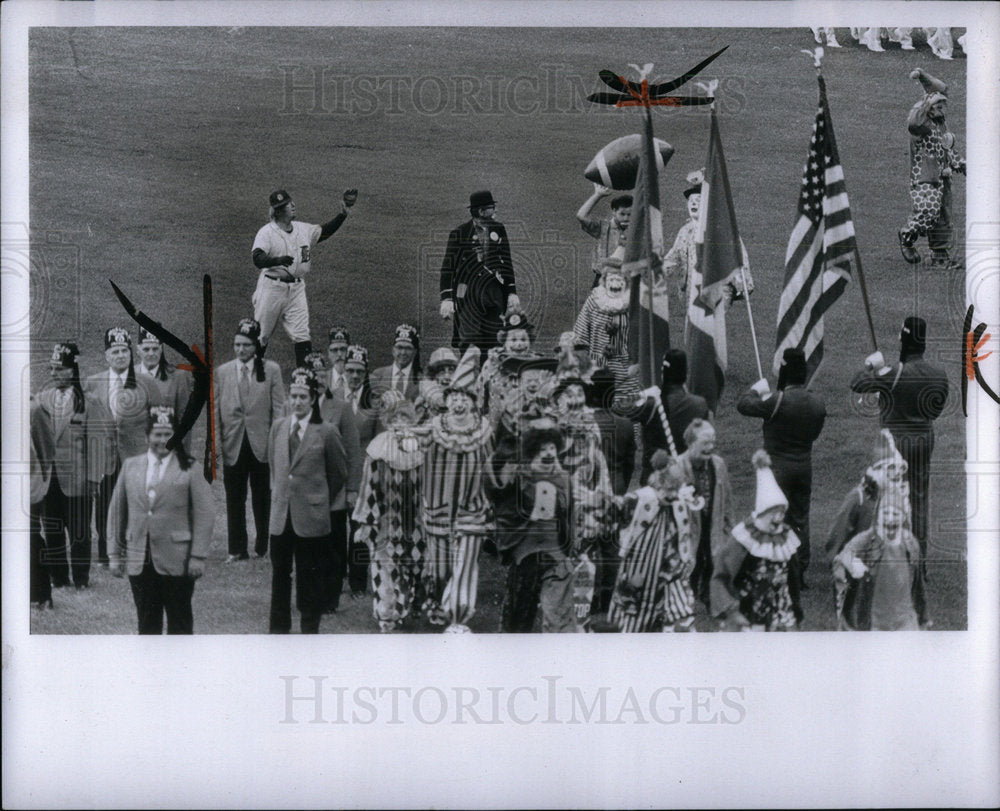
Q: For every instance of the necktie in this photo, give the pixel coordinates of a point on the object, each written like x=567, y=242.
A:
x=355, y=396
x=155, y=478
x=244, y=384
x=293, y=440
x=113, y=390
x=400, y=383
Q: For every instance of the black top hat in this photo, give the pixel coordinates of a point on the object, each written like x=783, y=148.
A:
x=913, y=336
x=279, y=198
x=481, y=199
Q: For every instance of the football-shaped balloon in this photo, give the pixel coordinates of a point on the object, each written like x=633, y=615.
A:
x=617, y=165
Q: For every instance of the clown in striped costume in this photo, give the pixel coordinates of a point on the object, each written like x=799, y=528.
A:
x=653, y=590
x=388, y=516
x=454, y=504
x=603, y=321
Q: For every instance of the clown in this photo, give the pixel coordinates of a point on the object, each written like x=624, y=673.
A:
x=454, y=505
x=603, y=321
x=515, y=341
x=440, y=370
x=877, y=573
x=387, y=514
x=750, y=583
x=532, y=499
x=653, y=589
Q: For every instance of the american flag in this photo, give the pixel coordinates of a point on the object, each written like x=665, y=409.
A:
x=821, y=249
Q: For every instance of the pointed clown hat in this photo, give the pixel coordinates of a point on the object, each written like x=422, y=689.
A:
x=769, y=495
x=464, y=378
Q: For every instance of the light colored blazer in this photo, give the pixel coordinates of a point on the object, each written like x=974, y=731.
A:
x=307, y=486
x=72, y=464
x=381, y=381
x=334, y=410
x=118, y=439
x=232, y=420
x=178, y=522
x=722, y=522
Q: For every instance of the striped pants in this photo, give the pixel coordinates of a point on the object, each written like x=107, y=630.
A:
x=451, y=577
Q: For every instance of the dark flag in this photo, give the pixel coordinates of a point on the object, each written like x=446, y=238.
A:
x=649, y=334
x=822, y=248
x=720, y=259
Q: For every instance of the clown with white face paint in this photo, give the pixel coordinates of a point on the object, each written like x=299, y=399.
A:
x=515, y=339
x=456, y=444
x=877, y=573
x=750, y=582
x=603, y=321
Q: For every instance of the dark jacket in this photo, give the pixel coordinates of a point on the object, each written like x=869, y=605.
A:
x=618, y=445
x=912, y=394
x=793, y=419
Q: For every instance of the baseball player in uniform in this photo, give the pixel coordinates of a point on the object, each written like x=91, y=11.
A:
x=282, y=250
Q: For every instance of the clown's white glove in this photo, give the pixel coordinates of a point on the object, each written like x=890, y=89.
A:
x=875, y=361
x=761, y=387
x=513, y=302
x=447, y=308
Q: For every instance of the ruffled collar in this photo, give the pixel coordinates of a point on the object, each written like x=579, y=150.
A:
x=398, y=451
x=459, y=441
x=764, y=545
x=605, y=303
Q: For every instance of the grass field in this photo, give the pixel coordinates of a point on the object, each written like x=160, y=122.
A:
x=153, y=151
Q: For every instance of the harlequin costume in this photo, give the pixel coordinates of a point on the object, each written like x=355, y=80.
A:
x=387, y=514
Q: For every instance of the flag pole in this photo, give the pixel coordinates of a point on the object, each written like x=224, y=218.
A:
x=753, y=330
x=864, y=297
x=649, y=265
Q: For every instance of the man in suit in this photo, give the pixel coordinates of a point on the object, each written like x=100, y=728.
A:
x=249, y=397
x=360, y=401
x=174, y=384
x=118, y=403
x=335, y=411
x=403, y=374
x=912, y=394
x=40, y=454
x=75, y=478
x=160, y=526
x=680, y=406
x=308, y=472
x=477, y=277
x=793, y=418
x=336, y=352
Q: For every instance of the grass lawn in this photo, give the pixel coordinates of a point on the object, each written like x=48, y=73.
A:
x=153, y=152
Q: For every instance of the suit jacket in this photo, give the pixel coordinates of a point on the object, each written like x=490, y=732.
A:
x=365, y=419
x=125, y=437
x=305, y=487
x=912, y=394
x=72, y=463
x=380, y=382
x=233, y=419
x=793, y=419
x=334, y=410
x=41, y=451
x=178, y=523
x=175, y=391
x=618, y=444
x=477, y=287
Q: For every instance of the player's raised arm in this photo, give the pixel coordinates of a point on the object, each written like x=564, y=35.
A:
x=328, y=229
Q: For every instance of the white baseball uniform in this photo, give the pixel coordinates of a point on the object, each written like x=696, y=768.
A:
x=275, y=300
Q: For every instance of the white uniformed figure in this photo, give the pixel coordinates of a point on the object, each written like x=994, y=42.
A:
x=282, y=250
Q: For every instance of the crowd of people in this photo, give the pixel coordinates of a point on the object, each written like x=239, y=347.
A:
x=939, y=40
x=608, y=505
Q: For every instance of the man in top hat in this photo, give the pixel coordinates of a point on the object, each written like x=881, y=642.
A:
x=933, y=160
x=681, y=261
x=609, y=233
x=334, y=410
x=249, y=397
x=912, y=394
x=160, y=527
x=477, y=277
x=336, y=353
x=403, y=374
x=308, y=472
x=75, y=477
x=175, y=384
x=118, y=403
x=793, y=419
x=282, y=251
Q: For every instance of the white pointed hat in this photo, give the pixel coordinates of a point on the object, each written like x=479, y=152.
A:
x=464, y=378
x=768, y=493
